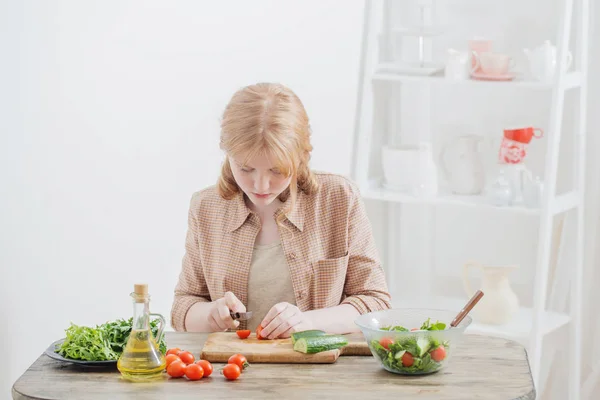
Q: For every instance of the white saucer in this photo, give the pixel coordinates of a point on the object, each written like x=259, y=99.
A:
x=509, y=76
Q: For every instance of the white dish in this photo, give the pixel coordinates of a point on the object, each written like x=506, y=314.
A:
x=415, y=68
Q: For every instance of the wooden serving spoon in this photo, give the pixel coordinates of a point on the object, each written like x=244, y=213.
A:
x=467, y=308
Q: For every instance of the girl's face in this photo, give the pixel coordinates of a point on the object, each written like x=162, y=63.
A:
x=260, y=180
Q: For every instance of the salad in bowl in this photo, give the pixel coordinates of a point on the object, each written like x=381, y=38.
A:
x=412, y=341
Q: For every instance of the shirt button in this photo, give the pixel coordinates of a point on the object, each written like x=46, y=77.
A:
x=293, y=256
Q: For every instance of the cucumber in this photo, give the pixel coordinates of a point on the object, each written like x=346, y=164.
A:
x=317, y=344
x=298, y=335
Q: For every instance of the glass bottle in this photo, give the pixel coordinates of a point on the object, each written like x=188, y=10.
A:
x=501, y=192
x=141, y=359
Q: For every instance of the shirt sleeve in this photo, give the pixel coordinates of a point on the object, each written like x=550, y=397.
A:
x=365, y=286
x=191, y=287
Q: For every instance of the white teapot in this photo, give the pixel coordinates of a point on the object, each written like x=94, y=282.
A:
x=542, y=61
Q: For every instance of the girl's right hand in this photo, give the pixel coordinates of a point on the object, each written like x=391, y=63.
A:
x=219, y=318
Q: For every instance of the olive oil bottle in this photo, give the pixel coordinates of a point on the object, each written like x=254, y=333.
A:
x=141, y=359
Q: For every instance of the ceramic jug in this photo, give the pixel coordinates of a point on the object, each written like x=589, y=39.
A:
x=500, y=302
x=457, y=65
x=463, y=166
x=410, y=168
x=543, y=61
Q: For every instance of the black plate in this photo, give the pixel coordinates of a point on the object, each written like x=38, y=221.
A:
x=50, y=352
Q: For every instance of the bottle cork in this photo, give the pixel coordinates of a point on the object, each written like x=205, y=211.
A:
x=140, y=289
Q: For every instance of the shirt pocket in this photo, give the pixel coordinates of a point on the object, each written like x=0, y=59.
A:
x=328, y=278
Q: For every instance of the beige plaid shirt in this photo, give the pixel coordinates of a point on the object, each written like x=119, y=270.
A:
x=329, y=248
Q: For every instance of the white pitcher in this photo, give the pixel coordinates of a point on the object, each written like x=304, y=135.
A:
x=457, y=65
x=499, y=303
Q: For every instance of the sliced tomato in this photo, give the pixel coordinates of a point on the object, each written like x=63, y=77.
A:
x=243, y=334
x=258, y=331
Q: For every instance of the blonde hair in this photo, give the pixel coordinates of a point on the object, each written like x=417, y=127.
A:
x=268, y=119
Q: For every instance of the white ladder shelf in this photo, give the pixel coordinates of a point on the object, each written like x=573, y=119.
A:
x=535, y=323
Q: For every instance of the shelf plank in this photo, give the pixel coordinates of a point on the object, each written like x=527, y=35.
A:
x=566, y=201
x=572, y=80
x=375, y=192
x=517, y=329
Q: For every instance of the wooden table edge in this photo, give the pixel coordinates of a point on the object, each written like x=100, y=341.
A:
x=16, y=395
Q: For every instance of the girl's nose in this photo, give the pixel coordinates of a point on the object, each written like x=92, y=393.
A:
x=261, y=184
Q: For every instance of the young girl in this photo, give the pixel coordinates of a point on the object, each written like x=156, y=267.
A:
x=291, y=245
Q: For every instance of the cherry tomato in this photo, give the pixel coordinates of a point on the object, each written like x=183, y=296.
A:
x=243, y=334
x=194, y=372
x=258, y=331
x=186, y=357
x=407, y=359
x=174, y=350
x=386, y=342
x=206, y=366
x=176, y=369
x=438, y=354
x=239, y=360
x=170, y=358
x=231, y=371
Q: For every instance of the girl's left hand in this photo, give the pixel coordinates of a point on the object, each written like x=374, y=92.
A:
x=282, y=320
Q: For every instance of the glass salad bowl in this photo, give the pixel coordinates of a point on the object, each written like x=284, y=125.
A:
x=412, y=341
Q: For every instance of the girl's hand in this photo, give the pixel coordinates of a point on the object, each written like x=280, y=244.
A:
x=219, y=318
x=282, y=320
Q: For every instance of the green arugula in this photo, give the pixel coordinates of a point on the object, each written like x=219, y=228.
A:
x=104, y=342
x=426, y=326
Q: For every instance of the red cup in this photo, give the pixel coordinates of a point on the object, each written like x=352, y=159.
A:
x=512, y=151
x=523, y=135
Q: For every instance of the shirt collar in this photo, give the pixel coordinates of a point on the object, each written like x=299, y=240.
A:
x=238, y=214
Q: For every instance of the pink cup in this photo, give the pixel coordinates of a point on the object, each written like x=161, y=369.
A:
x=493, y=63
x=479, y=45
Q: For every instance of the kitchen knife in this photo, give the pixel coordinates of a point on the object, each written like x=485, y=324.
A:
x=241, y=316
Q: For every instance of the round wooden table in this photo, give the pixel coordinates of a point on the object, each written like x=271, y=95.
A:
x=482, y=368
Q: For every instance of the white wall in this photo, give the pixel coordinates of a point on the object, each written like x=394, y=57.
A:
x=111, y=122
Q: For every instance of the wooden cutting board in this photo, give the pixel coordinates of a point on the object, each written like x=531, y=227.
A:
x=219, y=346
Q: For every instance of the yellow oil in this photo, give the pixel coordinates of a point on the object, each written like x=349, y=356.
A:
x=141, y=360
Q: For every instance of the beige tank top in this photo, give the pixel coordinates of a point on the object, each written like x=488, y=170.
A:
x=269, y=282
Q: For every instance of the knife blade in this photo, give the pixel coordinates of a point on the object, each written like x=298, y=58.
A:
x=241, y=316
